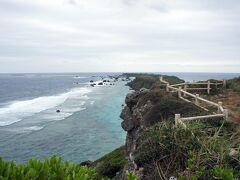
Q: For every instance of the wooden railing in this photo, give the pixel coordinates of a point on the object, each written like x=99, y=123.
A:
x=182, y=94
x=208, y=84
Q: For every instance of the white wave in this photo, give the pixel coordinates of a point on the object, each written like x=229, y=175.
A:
x=4, y=121
x=79, y=77
x=72, y=110
x=92, y=102
x=25, y=129
x=53, y=116
x=20, y=109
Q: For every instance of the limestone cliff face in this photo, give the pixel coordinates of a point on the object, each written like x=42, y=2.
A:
x=132, y=116
x=143, y=109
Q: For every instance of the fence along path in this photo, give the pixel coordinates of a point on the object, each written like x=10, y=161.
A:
x=182, y=94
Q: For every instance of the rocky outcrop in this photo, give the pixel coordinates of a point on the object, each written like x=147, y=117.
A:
x=143, y=109
x=132, y=116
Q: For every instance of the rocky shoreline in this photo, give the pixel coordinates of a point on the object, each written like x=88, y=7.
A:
x=150, y=107
x=143, y=109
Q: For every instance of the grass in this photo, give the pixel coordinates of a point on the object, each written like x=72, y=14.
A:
x=149, y=81
x=234, y=84
x=111, y=163
x=199, y=152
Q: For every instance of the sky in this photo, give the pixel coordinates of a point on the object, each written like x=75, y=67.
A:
x=119, y=36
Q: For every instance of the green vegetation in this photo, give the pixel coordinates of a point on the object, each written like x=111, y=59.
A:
x=144, y=82
x=202, y=151
x=111, y=163
x=234, y=84
x=165, y=106
x=54, y=169
x=215, y=88
x=149, y=81
x=131, y=176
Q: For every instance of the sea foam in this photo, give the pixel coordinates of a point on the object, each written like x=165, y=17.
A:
x=18, y=110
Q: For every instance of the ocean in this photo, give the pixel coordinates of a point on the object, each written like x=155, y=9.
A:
x=87, y=126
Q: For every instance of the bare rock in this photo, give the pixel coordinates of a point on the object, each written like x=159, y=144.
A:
x=131, y=99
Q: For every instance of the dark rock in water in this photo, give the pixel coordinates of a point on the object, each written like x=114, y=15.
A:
x=92, y=85
x=86, y=163
x=100, y=83
x=58, y=111
x=91, y=81
x=104, y=80
x=108, y=81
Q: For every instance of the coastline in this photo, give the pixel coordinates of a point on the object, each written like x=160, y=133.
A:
x=92, y=120
x=148, y=119
x=143, y=111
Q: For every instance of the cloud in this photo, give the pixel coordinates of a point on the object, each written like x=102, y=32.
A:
x=120, y=35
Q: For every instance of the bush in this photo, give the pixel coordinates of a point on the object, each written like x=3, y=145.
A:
x=131, y=176
x=54, y=169
x=193, y=153
x=168, y=106
x=149, y=81
x=234, y=84
x=111, y=163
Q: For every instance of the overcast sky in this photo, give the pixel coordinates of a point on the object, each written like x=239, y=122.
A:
x=119, y=35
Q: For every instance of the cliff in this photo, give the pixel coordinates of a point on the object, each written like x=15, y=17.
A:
x=157, y=149
x=150, y=81
x=144, y=109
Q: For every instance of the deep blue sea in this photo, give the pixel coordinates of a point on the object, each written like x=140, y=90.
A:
x=87, y=127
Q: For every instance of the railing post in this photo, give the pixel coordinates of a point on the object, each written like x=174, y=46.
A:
x=208, y=87
x=185, y=89
x=177, y=117
x=196, y=100
x=161, y=78
x=224, y=84
x=219, y=107
x=179, y=92
x=167, y=88
x=225, y=112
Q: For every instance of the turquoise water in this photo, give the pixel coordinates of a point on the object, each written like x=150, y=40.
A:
x=87, y=127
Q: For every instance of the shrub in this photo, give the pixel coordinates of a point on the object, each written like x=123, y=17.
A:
x=193, y=153
x=222, y=173
x=54, y=169
x=111, y=163
x=149, y=81
x=131, y=176
x=234, y=84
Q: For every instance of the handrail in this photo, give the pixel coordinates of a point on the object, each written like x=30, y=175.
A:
x=190, y=94
x=202, y=117
x=178, y=120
